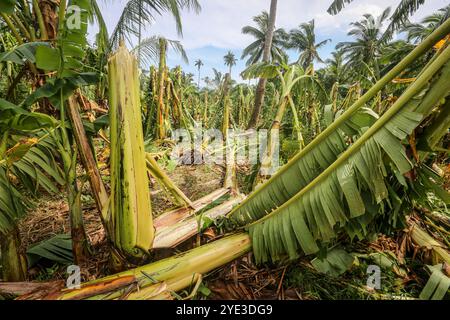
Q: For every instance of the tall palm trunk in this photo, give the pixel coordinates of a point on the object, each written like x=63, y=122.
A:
x=266, y=57
x=140, y=33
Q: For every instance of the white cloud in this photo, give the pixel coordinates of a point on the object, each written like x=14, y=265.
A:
x=220, y=22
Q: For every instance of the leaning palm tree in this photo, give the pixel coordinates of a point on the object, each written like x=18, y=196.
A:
x=303, y=40
x=399, y=18
x=199, y=64
x=255, y=50
x=259, y=97
x=230, y=60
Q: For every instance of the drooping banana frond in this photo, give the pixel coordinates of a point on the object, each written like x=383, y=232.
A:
x=260, y=200
x=36, y=167
x=347, y=193
x=12, y=203
x=39, y=168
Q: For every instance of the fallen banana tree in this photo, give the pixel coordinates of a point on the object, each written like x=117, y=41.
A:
x=180, y=199
x=311, y=210
x=154, y=281
x=309, y=162
x=343, y=192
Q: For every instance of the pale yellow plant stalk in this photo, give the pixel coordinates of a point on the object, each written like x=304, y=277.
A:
x=155, y=280
x=164, y=181
x=131, y=214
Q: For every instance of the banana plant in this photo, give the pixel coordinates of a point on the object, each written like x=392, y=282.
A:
x=326, y=171
x=61, y=59
x=26, y=157
x=289, y=77
x=259, y=201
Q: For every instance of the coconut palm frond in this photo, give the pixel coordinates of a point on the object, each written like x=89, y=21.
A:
x=102, y=36
x=337, y=5
x=303, y=39
x=138, y=13
x=150, y=50
x=255, y=50
x=399, y=18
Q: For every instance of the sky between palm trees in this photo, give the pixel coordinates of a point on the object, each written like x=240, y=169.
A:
x=217, y=29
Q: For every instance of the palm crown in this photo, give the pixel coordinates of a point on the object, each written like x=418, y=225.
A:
x=303, y=40
x=230, y=60
x=255, y=50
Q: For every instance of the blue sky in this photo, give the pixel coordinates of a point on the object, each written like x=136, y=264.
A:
x=217, y=29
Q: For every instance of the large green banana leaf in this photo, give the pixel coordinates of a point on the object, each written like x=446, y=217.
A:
x=317, y=156
x=350, y=191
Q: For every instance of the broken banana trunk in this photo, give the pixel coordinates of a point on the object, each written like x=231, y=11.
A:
x=179, y=198
x=130, y=207
x=159, y=280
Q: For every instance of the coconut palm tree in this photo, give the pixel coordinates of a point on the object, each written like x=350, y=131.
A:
x=335, y=70
x=230, y=60
x=417, y=32
x=255, y=50
x=398, y=18
x=151, y=49
x=259, y=97
x=368, y=45
x=218, y=77
x=303, y=40
x=199, y=64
